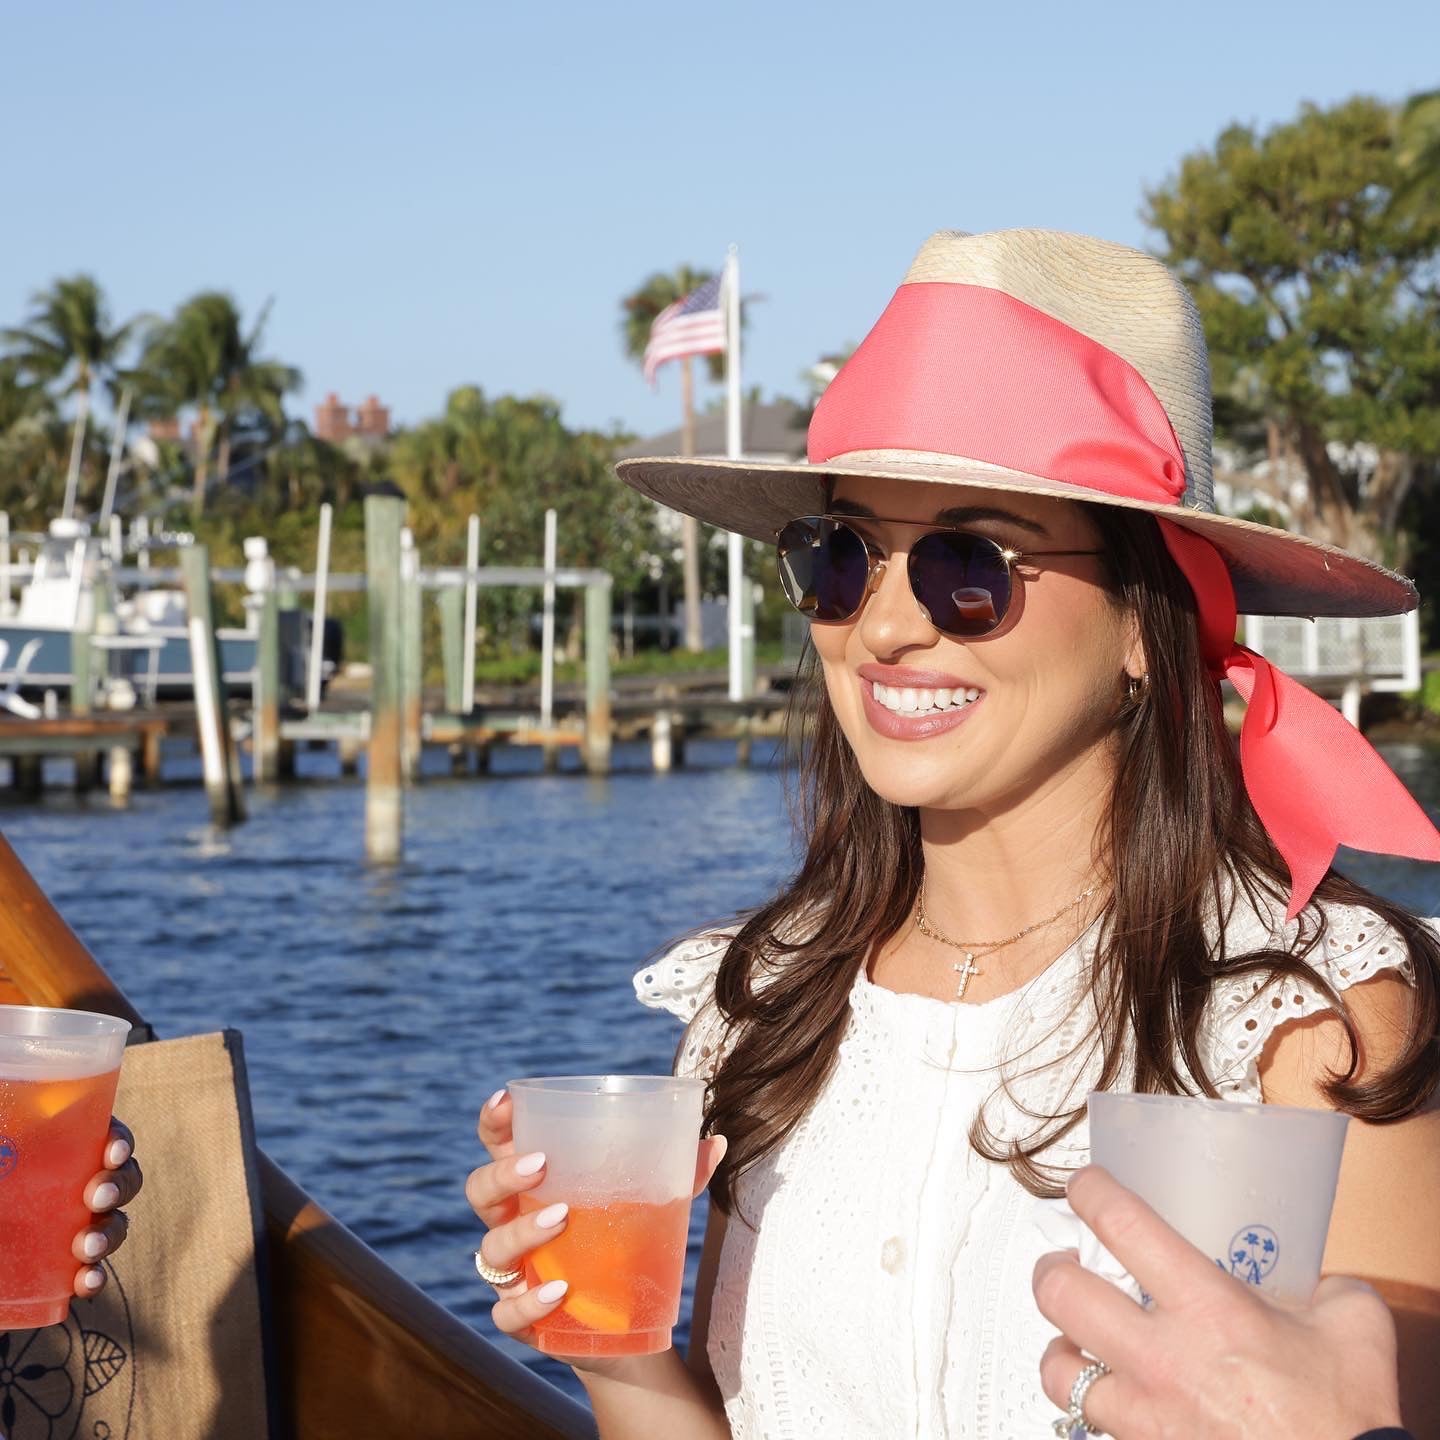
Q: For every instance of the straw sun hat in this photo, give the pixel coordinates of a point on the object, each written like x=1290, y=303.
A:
x=1042, y=362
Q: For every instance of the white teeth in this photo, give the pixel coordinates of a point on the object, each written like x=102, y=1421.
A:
x=909, y=700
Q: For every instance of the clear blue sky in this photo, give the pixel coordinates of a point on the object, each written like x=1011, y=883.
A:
x=437, y=193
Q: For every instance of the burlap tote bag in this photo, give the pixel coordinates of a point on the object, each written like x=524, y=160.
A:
x=172, y=1349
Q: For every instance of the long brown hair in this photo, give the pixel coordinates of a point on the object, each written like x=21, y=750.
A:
x=1179, y=833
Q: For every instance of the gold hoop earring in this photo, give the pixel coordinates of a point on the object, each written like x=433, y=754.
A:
x=1137, y=688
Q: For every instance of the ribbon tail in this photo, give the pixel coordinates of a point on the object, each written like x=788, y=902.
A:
x=1315, y=782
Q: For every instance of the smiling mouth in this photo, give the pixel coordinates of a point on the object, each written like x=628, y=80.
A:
x=913, y=701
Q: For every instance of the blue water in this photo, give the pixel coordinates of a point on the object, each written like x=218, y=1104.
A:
x=381, y=1008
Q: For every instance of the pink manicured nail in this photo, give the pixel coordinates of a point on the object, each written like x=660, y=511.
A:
x=106, y=1195
x=495, y=1099
x=94, y=1279
x=95, y=1245
x=552, y=1290
x=552, y=1215
x=117, y=1154
x=530, y=1163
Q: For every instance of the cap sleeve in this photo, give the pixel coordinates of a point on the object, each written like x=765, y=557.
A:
x=682, y=981
x=1245, y=1011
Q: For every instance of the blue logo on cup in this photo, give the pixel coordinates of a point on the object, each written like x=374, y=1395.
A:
x=9, y=1155
x=1253, y=1253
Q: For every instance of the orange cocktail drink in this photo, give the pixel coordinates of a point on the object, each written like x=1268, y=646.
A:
x=620, y=1151
x=58, y=1072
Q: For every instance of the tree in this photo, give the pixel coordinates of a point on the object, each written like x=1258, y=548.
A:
x=1320, y=304
x=68, y=340
x=509, y=460
x=639, y=310
x=1417, y=140
x=203, y=359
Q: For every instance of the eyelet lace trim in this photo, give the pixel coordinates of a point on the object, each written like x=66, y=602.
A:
x=1245, y=1010
x=682, y=981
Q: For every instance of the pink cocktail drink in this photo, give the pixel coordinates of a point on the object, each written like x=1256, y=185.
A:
x=58, y=1073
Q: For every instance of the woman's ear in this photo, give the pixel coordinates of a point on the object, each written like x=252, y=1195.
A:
x=1136, y=666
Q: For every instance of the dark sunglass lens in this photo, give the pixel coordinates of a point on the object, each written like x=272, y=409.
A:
x=962, y=580
x=823, y=567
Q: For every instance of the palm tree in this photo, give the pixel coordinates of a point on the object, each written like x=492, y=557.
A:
x=639, y=309
x=204, y=359
x=68, y=340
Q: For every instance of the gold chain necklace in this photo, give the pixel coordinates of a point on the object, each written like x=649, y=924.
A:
x=986, y=947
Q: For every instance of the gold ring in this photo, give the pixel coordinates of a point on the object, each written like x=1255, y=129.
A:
x=495, y=1277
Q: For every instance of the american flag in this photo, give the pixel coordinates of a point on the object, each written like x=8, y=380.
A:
x=694, y=325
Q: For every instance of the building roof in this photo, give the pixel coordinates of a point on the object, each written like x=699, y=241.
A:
x=769, y=429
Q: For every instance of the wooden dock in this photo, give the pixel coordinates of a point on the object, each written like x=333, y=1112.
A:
x=384, y=713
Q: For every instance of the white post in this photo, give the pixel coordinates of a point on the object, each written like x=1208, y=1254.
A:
x=316, y=657
x=117, y=448
x=7, y=602
x=472, y=563
x=77, y=446
x=117, y=540
x=547, y=629
x=140, y=531
x=735, y=634
x=1411, y=679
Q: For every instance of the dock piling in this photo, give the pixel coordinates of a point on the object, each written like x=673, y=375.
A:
x=467, y=659
x=219, y=760
x=316, y=657
x=597, y=677
x=265, y=704
x=411, y=669
x=384, y=814
x=452, y=648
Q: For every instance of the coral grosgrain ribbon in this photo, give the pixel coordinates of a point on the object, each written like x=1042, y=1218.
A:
x=971, y=372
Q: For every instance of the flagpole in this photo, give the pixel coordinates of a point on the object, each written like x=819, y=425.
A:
x=735, y=606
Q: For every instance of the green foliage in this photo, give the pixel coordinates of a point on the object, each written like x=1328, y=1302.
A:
x=1430, y=692
x=1320, y=303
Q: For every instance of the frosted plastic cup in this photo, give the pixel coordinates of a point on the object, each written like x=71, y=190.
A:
x=58, y=1072
x=1249, y=1185
x=620, y=1150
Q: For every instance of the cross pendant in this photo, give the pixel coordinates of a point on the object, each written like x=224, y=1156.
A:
x=965, y=971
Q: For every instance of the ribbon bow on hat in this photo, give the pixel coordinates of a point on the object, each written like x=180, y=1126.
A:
x=956, y=370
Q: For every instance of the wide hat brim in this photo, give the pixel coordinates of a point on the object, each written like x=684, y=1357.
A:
x=1275, y=572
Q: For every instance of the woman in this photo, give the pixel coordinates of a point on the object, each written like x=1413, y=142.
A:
x=1033, y=864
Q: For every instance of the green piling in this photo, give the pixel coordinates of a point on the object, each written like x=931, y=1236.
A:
x=597, y=677
x=384, y=812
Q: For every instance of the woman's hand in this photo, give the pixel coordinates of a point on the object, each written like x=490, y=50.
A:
x=116, y=1185
x=510, y=1236
x=1212, y=1357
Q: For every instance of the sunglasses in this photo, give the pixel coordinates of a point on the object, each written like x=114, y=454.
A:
x=962, y=581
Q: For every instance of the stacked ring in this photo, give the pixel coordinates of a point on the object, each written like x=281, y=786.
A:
x=498, y=1278
x=1073, y=1425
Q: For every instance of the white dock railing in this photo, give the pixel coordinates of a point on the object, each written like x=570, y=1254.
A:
x=1381, y=653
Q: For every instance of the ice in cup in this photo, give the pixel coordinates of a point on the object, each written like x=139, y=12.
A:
x=1250, y=1185
x=620, y=1150
x=58, y=1073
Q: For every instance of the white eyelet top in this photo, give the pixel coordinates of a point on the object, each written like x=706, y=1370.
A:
x=886, y=1289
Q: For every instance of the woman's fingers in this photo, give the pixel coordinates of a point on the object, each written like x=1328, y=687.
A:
x=100, y=1240
x=515, y=1314
x=1090, y=1310
x=491, y=1189
x=496, y=1117
x=120, y=1146
x=707, y=1161
x=504, y=1246
x=1105, y=1403
x=89, y=1282
x=111, y=1189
